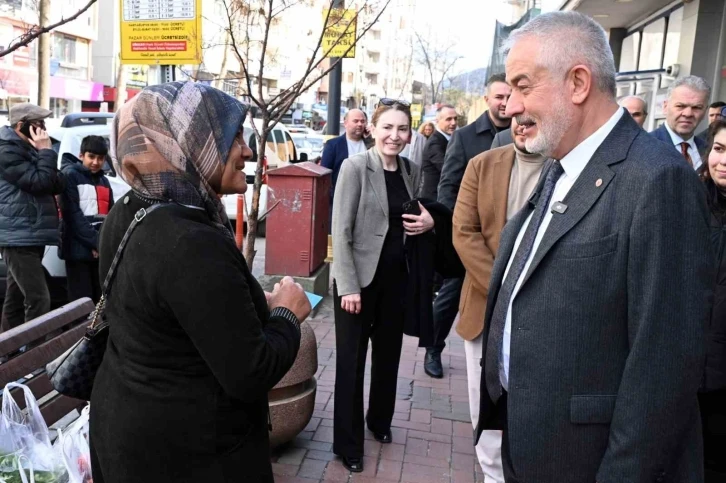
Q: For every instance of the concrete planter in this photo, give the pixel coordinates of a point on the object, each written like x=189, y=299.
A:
x=292, y=400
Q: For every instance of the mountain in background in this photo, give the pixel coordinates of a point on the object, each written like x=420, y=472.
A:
x=473, y=82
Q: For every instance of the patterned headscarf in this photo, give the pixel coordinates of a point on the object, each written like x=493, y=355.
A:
x=171, y=142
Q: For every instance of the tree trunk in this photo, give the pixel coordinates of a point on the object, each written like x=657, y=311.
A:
x=253, y=211
x=120, y=86
x=223, y=69
x=44, y=57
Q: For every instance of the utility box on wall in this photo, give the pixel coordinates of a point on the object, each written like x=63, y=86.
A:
x=297, y=219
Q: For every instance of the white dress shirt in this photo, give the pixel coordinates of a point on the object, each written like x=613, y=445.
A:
x=692, y=148
x=447, y=136
x=573, y=164
x=355, y=147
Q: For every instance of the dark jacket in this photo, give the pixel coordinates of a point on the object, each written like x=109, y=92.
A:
x=334, y=153
x=181, y=394
x=432, y=164
x=29, y=179
x=608, y=324
x=84, y=205
x=432, y=251
x=467, y=142
x=663, y=135
x=715, y=373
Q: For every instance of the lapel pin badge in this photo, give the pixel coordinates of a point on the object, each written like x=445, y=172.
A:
x=598, y=183
x=559, y=207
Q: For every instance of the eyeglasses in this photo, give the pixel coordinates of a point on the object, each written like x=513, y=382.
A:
x=387, y=101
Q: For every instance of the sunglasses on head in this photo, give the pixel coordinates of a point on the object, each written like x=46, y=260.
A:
x=387, y=101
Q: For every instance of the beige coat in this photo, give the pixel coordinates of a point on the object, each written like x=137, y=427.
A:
x=360, y=218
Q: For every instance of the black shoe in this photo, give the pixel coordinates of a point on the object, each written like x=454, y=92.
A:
x=432, y=365
x=353, y=464
x=384, y=438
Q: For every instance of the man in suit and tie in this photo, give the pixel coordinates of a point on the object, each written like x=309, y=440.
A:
x=466, y=143
x=601, y=287
x=685, y=109
x=339, y=149
x=435, y=149
x=496, y=184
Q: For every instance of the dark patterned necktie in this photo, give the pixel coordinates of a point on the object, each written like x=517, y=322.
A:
x=684, y=151
x=499, y=315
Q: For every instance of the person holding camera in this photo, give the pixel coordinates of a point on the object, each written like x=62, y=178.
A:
x=374, y=208
x=29, y=179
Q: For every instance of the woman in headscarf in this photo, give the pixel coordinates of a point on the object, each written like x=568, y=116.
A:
x=195, y=344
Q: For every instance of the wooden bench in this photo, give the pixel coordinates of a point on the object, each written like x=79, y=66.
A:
x=44, y=339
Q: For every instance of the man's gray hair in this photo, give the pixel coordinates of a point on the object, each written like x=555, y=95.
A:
x=568, y=39
x=645, y=104
x=444, y=106
x=694, y=82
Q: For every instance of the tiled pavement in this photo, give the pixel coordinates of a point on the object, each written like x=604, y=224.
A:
x=432, y=435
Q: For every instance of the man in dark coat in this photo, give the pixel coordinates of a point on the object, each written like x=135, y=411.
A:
x=435, y=150
x=84, y=205
x=29, y=179
x=466, y=143
x=594, y=330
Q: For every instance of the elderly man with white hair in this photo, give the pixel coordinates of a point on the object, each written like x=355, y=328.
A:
x=599, y=294
x=636, y=107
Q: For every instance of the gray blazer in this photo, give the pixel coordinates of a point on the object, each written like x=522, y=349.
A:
x=502, y=139
x=608, y=326
x=360, y=218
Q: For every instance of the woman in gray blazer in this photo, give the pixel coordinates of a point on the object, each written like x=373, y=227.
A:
x=369, y=226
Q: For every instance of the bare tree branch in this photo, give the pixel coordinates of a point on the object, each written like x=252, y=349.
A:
x=35, y=31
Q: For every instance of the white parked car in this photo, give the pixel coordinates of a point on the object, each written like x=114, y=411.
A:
x=310, y=144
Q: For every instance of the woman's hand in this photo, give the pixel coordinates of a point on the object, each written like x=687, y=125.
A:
x=417, y=225
x=290, y=295
x=351, y=303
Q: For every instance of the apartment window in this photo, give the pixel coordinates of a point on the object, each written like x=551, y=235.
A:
x=64, y=48
x=350, y=77
x=376, y=34
x=673, y=38
x=374, y=57
x=630, y=52
x=372, y=79
x=651, y=49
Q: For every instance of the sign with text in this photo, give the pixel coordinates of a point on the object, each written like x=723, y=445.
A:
x=161, y=32
x=340, y=33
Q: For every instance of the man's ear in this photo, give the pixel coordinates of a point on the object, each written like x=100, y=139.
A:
x=581, y=83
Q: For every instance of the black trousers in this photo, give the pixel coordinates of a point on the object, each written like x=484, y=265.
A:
x=713, y=418
x=446, y=306
x=26, y=294
x=83, y=280
x=381, y=320
x=499, y=421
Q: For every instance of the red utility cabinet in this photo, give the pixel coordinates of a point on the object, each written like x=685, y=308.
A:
x=297, y=221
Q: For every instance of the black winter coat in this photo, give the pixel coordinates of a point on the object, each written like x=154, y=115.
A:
x=715, y=374
x=29, y=179
x=181, y=395
x=425, y=254
x=84, y=205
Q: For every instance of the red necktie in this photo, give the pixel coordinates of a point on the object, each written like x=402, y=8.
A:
x=684, y=151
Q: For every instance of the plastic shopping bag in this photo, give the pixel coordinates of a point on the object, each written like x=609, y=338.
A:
x=26, y=455
x=72, y=444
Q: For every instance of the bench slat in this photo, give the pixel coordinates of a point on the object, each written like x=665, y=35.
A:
x=58, y=407
x=33, y=330
x=37, y=357
x=40, y=386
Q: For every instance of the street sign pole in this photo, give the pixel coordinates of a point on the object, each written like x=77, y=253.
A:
x=335, y=79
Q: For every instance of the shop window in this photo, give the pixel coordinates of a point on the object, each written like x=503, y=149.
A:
x=59, y=107
x=630, y=52
x=673, y=38
x=651, y=50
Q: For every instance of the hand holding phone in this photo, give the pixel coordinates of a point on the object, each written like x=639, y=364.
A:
x=411, y=208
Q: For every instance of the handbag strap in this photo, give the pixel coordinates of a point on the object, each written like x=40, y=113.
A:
x=138, y=217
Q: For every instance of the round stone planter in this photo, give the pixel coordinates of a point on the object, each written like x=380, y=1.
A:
x=292, y=400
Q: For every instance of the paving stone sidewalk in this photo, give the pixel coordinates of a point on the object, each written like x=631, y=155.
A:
x=432, y=435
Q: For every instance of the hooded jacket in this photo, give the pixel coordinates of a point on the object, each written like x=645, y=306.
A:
x=84, y=205
x=29, y=179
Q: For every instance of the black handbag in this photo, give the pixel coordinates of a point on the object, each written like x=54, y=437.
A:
x=72, y=373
